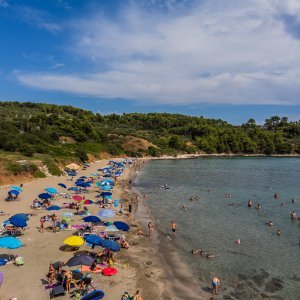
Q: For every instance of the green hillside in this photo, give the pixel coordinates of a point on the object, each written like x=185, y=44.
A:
x=63, y=133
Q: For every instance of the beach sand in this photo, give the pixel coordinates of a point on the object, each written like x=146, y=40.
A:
x=142, y=266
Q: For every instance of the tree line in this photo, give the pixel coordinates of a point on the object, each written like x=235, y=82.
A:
x=66, y=131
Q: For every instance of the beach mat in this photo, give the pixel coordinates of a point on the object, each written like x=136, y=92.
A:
x=88, y=269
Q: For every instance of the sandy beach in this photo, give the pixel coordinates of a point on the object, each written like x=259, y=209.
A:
x=142, y=266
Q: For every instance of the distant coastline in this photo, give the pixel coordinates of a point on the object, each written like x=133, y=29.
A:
x=198, y=155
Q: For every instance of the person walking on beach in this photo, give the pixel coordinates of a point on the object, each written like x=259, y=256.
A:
x=173, y=226
x=215, y=285
x=42, y=222
x=151, y=229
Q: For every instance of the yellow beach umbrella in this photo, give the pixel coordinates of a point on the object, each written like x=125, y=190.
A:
x=74, y=241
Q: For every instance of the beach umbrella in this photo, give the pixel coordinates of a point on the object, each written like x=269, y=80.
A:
x=10, y=243
x=72, y=174
x=118, y=173
x=87, y=201
x=92, y=219
x=106, y=194
x=18, y=221
x=21, y=215
x=68, y=214
x=80, y=260
x=14, y=192
x=83, y=177
x=53, y=207
x=77, y=198
x=107, y=175
x=106, y=213
x=51, y=190
x=73, y=188
x=93, y=239
x=45, y=196
x=95, y=174
x=111, y=228
x=74, y=241
x=106, y=187
x=112, y=245
x=85, y=184
x=121, y=225
x=62, y=185
x=16, y=188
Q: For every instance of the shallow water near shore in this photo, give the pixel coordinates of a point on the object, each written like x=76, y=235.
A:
x=264, y=264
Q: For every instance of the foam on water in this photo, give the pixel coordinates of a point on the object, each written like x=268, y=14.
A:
x=264, y=264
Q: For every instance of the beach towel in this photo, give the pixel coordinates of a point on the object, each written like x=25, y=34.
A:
x=77, y=226
x=88, y=269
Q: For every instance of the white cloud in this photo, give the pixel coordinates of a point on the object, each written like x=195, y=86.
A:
x=236, y=52
x=36, y=18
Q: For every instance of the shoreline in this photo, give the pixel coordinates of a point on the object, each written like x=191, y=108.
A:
x=178, y=281
x=217, y=155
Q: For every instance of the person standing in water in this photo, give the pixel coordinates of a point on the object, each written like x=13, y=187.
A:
x=173, y=226
x=151, y=229
x=215, y=285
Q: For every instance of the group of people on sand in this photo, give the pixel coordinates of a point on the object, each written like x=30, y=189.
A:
x=52, y=218
x=56, y=273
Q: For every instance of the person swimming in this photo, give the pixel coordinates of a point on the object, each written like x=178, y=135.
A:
x=278, y=232
x=276, y=195
x=270, y=223
x=183, y=207
x=258, y=206
x=293, y=215
x=249, y=203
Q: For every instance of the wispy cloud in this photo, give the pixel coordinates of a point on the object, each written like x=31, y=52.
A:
x=56, y=66
x=37, y=18
x=237, y=52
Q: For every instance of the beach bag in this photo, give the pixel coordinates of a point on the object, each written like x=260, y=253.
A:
x=20, y=261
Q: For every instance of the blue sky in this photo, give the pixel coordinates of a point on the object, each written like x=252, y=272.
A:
x=232, y=60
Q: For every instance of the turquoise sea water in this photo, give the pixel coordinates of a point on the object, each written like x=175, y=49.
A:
x=264, y=264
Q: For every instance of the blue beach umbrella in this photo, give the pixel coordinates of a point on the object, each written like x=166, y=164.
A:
x=51, y=190
x=118, y=173
x=16, y=188
x=72, y=174
x=53, y=207
x=62, y=185
x=73, y=188
x=112, y=245
x=105, y=194
x=80, y=260
x=18, y=221
x=10, y=243
x=45, y=196
x=21, y=215
x=92, y=219
x=14, y=192
x=93, y=239
x=106, y=213
x=121, y=225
